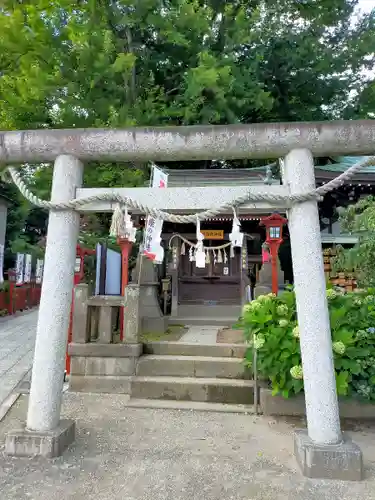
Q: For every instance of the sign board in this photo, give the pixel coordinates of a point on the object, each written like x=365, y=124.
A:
x=108, y=271
x=213, y=234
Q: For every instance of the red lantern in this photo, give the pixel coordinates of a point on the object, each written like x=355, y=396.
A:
x=274, y=237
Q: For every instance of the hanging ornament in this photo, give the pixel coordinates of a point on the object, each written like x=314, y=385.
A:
x=191, y=254
x=121, y=224
x=219, y=257
x=231, y=252
x=182, y=248
x=236, y=237
x=200, y=258
x=214, y=256
x=225, y=257
x=207, y=260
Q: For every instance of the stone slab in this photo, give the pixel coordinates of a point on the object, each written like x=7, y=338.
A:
x=194, y=349
x=110, y=366
x=193, y=389
x=49, y=444
x=98, y=384
x=165, y=404
x=17, y=340
x=150, y=324
x=191, y=366
x=295, y=407
x=341, y=461
x=106, y=350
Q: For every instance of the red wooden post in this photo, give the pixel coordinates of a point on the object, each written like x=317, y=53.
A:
x=125, y=246
x=274, y=237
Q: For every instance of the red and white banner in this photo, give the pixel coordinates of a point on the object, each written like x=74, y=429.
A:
x=154, y=225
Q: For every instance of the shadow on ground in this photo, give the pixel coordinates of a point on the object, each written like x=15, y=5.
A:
x=139, y=454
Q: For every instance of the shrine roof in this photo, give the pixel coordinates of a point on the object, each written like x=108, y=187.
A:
x=217, y=177
x=341, y=163
x=256, y=175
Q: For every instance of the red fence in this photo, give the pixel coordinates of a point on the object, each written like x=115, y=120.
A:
x=19, y=298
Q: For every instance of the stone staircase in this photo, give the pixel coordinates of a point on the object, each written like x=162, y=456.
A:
x=194, y=376
x=215, y=315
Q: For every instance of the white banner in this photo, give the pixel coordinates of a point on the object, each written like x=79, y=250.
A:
x=39, y=271
x=1, y=263
x=153, y=226
x=27, y=275
x=19, y=268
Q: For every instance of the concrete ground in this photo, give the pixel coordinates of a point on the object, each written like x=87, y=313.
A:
x=17, y=339
x=138, y=454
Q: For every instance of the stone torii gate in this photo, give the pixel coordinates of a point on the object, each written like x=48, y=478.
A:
x=322, y=451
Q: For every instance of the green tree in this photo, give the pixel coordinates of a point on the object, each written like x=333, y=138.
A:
x=102, y=63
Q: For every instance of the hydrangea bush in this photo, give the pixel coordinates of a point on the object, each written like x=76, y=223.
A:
x=271, y=327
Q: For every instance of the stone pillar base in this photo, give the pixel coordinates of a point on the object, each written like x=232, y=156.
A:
x=49, y=444
x=318, y=461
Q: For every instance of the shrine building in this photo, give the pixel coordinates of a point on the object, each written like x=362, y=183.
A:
x=219, y=289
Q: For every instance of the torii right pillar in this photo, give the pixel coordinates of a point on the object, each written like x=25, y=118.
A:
x=322, y=451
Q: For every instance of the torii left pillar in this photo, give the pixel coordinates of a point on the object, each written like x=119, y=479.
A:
x=45, y=434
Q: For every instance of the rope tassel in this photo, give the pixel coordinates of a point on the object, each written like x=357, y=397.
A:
x=225, y=257
x=117, y=223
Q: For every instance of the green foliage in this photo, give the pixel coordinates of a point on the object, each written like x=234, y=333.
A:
x=270, y=325
x=359, y=219
x=177, y=62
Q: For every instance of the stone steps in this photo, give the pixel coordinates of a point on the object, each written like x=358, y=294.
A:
x=191, y=375
x=215, y=311
x=202, y=321
x=210, y=390
x=191, y=366
x=195, y=349
x=203, y=315
x=166, y=404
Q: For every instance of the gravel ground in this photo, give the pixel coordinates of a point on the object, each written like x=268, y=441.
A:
x=125, y=453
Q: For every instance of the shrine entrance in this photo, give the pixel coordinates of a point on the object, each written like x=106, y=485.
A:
x=219, y=283
x=321, y=450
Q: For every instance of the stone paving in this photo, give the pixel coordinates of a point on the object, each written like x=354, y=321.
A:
x=123, y=453
x=205, y=335
x=17, y=339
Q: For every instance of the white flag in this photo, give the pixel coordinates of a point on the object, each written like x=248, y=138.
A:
x=154, y=225
x=19, y=268
x=1, y=263
x=27, y=276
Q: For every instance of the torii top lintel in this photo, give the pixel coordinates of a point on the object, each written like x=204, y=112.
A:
x=262, y=140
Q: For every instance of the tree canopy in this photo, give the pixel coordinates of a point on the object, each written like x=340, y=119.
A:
x=103, y=63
